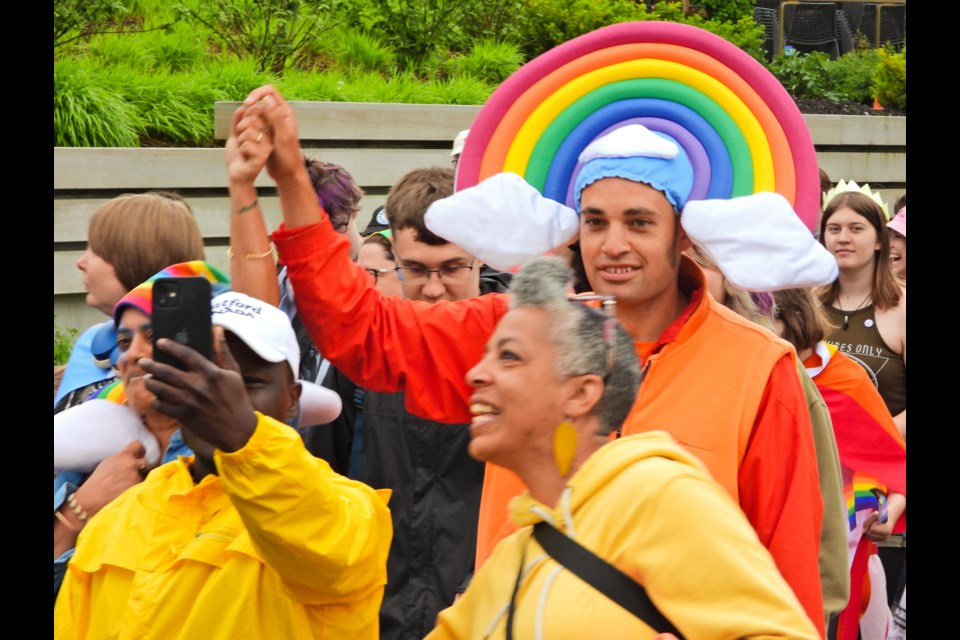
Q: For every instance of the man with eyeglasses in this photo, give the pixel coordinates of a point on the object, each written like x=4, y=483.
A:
x=725, y=388
x=436, y=484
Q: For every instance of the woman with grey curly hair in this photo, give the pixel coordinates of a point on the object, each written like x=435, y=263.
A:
x=557, y=378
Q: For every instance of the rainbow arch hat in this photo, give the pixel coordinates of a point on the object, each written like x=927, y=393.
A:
x=740, y=129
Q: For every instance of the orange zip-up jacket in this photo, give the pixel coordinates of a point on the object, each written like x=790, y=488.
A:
x=725, y=388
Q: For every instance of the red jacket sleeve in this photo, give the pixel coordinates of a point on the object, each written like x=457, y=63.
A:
x=386, y=344
x=780, y=490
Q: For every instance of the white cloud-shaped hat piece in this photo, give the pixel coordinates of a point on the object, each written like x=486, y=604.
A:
x=759, y=242
x=503, y=221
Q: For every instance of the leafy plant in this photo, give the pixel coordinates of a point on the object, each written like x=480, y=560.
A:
x=63, y=339
x=297, y=84
x=461, y=90
x=80, y=19
x=544, y=24
x=801, y=73
x=75, y=19
x=489, y=61
x=850, y=76
x=88, y=114
x=743, y=32
x=359, y=50
x=728, y=10
x=890, y=80
x=171, y=106
x=414, y=28
x=173, y=49
x=492, y=20
x=274, y=33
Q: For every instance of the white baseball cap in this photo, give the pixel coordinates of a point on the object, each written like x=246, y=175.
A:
x=262, y=327
x=459, y=142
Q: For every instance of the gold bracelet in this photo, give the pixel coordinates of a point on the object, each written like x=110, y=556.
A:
x=249, y=207
x=62, y=518
x=77, y=509
x=253, y=256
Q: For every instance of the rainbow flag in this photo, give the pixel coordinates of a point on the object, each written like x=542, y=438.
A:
x=865, y=492
x=113, y=392
x=868, y=441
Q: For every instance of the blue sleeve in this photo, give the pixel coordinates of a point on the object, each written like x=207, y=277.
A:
x=81, y=369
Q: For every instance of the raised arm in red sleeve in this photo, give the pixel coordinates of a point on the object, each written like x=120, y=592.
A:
x=386, y=344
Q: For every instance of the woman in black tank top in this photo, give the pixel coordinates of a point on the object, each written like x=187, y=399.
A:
x=867, y=306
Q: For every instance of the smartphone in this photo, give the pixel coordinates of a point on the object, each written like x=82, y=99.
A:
x=181, y=312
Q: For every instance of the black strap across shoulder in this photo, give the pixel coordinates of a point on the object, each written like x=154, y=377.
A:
x=602, y=576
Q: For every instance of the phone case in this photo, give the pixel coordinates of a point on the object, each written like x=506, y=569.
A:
x=181, y=312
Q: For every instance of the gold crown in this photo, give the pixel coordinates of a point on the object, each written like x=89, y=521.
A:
x=844, y=186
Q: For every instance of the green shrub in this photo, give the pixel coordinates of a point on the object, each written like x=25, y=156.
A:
x=850, y=76
x=544, y=24
x=742, y=32
x=489, y=61
x=414, y=28
x=728, y=10
x=78, y=19
x=175, y=49
x=111, y=51
x=492, y=20
x=231, y=78
x=63, y=339
x=460, y=90
x=801, y=74
x=88, y=114
x=171, y=107
x=361, y=51
x=297, y=84
x=890, y=79
x=274, y=33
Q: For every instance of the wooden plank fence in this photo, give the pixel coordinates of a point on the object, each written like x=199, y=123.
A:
x=377, y=144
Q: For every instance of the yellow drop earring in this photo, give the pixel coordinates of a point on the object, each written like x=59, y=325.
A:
x=564, y=446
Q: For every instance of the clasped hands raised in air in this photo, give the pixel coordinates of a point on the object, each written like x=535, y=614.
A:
x=263, y=133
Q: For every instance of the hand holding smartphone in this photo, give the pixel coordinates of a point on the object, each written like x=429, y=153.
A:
x=181, y=312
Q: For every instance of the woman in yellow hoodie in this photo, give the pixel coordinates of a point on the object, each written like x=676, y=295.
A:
x=642, y=503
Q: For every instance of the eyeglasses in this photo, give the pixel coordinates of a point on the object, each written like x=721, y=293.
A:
x=608, y=305
x=376, y=273
x=420, y=275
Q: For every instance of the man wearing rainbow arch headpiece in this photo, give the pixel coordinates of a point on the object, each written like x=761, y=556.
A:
x=724, y=388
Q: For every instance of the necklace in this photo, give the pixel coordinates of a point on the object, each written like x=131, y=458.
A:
x=847, y=314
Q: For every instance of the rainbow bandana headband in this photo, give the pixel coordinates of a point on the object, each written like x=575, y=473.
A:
x=141, y=296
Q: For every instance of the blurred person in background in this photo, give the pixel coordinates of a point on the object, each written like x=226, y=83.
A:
x=129, y=238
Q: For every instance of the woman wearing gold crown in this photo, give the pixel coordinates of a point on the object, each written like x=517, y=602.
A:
x=867, y=305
